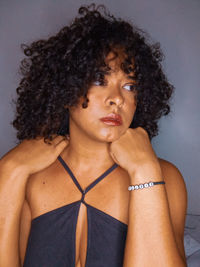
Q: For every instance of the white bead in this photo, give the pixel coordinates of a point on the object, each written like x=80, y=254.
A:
x=131, y=187
x=141, y=186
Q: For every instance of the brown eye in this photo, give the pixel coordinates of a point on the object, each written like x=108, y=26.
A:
x=97, y=83
x=99, y=79
x=129, y=87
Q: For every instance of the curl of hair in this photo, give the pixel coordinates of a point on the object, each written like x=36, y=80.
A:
x=58, y=71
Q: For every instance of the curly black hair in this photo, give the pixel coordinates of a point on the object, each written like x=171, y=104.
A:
x=58, y=71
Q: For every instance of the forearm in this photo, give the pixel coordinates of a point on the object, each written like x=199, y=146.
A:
x=12, y=194
x=150, y=238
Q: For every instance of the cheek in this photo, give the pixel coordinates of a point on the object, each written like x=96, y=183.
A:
x=130, y=110
x=132, y=113
x=96, y=101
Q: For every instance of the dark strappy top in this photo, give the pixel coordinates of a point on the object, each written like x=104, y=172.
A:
x=51, y=242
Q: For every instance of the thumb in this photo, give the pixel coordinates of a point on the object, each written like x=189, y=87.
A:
x=114, y=158
x=61, y=146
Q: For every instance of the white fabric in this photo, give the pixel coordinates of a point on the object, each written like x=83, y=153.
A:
x=192, y=240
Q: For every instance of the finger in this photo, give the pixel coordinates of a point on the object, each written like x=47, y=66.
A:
x=114, y=158
x=60, y=146
x=57, y=139
x=63, y=139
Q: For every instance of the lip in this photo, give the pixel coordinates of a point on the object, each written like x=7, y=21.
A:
x=112, y=119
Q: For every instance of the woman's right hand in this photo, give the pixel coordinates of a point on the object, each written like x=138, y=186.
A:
x=34, y=155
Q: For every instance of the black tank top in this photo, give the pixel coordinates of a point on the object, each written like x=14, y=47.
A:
x=51, y=242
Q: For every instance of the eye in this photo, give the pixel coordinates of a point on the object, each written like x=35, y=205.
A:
x=97, y=83
x=99, y=79
x=130, y=87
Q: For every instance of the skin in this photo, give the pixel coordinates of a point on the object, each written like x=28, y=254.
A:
x=16, y=166
x=101, y=146
x=94, y=136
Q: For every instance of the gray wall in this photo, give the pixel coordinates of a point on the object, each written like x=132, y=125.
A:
x=175, y=23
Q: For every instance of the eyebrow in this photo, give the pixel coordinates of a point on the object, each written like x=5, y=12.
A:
x=131, y=77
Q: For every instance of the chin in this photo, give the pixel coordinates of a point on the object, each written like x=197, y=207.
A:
x=111, y=136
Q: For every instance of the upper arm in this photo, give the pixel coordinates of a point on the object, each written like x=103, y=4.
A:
x=177, y=199
x=25, y=225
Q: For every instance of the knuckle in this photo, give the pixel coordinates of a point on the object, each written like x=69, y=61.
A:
x=142, y=130
x=129, y=131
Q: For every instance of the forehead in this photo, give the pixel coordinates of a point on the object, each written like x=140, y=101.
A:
x=115, y=59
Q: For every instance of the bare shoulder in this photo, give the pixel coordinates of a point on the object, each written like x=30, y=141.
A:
x=172, y=174
x=40, y=184
x=177, y=199
x=41, y=177
x=175, y=184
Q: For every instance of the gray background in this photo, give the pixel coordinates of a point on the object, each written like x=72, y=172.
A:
x=174, y=23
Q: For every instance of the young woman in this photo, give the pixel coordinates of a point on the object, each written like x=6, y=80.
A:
x=84, y=186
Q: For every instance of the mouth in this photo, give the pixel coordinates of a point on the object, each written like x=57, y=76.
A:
x=112, y=119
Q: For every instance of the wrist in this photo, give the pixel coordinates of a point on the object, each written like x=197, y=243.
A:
x=12, y=168
x=146, y=173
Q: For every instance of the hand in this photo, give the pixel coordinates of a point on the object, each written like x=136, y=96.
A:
x=35, y=155
x=133, y=150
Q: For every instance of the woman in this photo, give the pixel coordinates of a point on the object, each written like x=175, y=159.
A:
x=84, y=187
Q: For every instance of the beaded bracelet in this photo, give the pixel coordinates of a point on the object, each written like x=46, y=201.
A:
x=145, y=185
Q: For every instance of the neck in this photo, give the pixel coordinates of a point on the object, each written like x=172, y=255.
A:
x=84, y=152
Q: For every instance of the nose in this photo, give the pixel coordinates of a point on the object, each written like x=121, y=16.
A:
x=115, y=98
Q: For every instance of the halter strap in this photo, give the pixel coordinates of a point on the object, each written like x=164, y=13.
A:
x=89, y=187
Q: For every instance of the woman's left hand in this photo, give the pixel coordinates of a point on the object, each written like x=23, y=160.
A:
x=133, y=150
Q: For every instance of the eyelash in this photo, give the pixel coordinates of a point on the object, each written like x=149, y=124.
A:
x=101, y=83
x=131, y=85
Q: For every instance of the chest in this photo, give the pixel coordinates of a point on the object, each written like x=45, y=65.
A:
x=55, y=187
x=105, y=195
